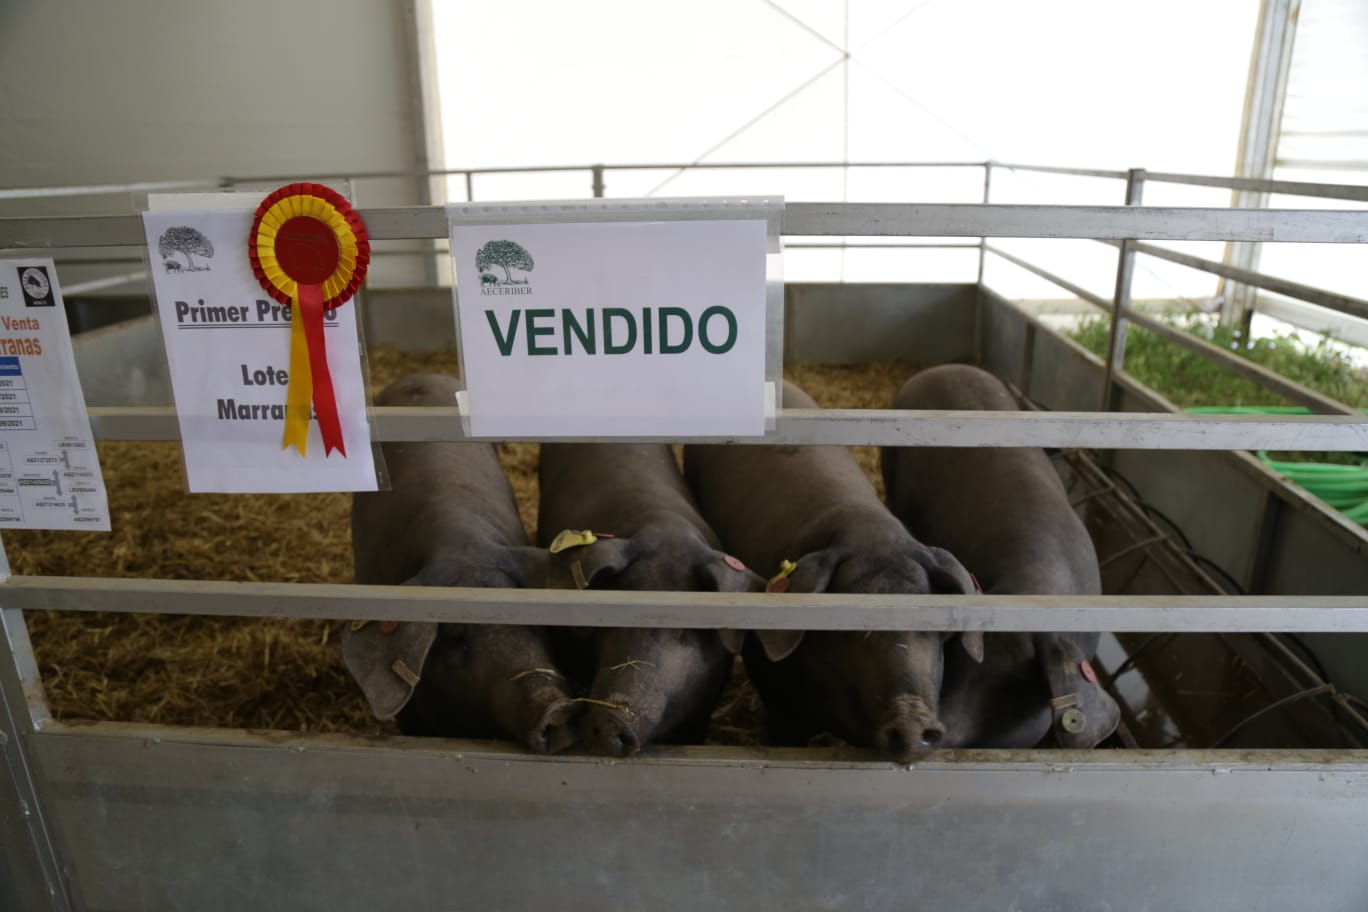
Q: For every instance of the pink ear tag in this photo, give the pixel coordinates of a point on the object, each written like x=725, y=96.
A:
x=1088, y=672
x=733, y=563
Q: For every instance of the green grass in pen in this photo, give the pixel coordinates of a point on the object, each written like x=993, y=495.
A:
x=1195, y=384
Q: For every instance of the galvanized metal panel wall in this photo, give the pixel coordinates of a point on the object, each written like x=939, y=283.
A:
x=1218, y=499
x=923, y=324
x=157, y=821
x=21, y=878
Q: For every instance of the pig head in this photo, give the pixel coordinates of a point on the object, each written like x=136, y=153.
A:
x=618, y=516
x=1004, y=512
x=450, y=519
x=814, y=508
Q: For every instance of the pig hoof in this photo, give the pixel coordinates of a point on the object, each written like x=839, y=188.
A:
x=907, y=740
x=609, y=733
x=555, y=731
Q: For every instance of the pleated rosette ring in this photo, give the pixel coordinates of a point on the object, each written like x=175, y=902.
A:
x=309, y=250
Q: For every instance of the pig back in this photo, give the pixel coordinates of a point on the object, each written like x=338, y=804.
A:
x=612, y=487
x=450, y=511
x=1002, y=510
x=772, y=503
x=1006, y=514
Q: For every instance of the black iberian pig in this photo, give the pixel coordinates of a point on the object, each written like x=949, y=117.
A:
x=1004, y=512
x=451, y=520
x=814, y=506
x=647, y=684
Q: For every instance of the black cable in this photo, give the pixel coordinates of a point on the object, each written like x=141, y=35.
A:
x=1154, y=512
x=1129, y=662
x=1277, y=704
x=1199, y=558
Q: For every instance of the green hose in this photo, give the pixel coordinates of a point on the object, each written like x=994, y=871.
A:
x=1344, y=487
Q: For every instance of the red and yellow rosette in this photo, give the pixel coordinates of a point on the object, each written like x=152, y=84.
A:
x=309, y=249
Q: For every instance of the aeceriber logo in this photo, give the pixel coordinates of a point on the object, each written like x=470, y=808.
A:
x=189, y=243
x=507, y=255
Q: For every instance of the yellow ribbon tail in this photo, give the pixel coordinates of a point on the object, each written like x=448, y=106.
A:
x=299, y=393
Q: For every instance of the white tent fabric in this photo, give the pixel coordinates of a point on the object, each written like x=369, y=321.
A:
x=1324, y=138
x=1072, y=82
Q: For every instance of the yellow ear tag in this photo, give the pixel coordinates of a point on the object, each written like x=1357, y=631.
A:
x=571, y=538
x=779, y=582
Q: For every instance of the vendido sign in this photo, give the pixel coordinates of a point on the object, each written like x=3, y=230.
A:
x=613, y=328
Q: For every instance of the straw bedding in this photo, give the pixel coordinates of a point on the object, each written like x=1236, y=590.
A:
x=263, y=673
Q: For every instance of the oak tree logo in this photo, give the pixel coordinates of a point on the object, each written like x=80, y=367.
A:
x=507, y=255
x=184, y=240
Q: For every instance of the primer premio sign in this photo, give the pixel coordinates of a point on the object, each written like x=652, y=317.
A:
x=613, y=328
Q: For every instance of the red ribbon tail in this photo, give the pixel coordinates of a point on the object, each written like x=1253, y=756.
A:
x=310, y=298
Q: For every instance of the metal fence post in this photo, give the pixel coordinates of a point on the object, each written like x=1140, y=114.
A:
x=987, y=195
x=470, y=186
x=1125, y=270
x=598, y=181
x=27, y=852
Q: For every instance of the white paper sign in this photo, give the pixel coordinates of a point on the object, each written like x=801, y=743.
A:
x=228, y=347
x=613, y=328
x=49, y=470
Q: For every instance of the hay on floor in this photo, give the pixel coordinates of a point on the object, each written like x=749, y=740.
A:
x=256, y=673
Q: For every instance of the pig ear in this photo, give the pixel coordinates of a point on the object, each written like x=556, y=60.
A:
x=812, y=573
x=972, y=641
x=947, y=574
x=778, y=644
x=578, y=567
x=387, y=659
x=529, y=567
x=724, y=573
x=1083, y=713
x=732, y=640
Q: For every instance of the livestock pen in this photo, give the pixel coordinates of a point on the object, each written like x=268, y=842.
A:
x=108, y=815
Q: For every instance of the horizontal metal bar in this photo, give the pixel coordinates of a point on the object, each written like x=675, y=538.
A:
x=824, y=219
x=1321, y=320
x=1343, y=303
x=888, y=427
x=1270, y=380
x=100, y=284
x=1077, y=290
x=559, y=169
x=799, y=245
x=99, y=189
x=131, y=739
x=1295, y=188
x=750, y=611
x=1052, y=169
x=1314, y=164
x=1292, y=188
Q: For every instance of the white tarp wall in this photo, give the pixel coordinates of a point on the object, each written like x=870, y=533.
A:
x=1324, y=138
x=163, y=90
x=1076, y=82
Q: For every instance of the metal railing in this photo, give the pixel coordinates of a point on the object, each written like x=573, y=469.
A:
x=1334, y=431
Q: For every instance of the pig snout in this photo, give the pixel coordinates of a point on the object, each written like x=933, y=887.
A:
x=910, y=731
x=535, y=707
x=554, y=731
x=608, y=730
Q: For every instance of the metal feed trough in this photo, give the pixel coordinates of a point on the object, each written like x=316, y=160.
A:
x=110, y=816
